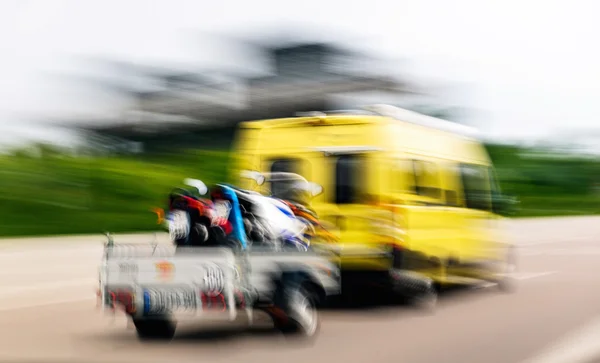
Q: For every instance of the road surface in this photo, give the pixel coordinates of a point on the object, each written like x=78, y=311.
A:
x=48, y=312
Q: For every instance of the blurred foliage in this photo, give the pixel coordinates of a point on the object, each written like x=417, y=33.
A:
x=50, y=192
x=548, y=184
x=44, y=190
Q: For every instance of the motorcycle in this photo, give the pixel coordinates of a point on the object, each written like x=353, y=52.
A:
x=235, y=217
x=193, y=220
x=294, y=194
x=270, y=222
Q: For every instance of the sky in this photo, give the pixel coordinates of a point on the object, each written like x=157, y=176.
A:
x=531, y=66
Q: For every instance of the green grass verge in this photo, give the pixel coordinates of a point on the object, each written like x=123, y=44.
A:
x=62, y=195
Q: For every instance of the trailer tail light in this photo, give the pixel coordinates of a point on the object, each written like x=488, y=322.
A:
x=123, y=299
x=213, y=301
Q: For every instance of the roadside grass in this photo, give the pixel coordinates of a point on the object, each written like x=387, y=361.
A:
x=558, y=205
x=65, y=195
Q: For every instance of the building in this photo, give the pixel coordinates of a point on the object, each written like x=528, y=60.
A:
x=202, y=109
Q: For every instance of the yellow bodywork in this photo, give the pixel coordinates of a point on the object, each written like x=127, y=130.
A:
x=394, y=206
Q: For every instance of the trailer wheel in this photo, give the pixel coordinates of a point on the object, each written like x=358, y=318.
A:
x=151, y=329
x=300, y=306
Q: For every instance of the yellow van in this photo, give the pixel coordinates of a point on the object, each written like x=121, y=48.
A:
x=405, y=192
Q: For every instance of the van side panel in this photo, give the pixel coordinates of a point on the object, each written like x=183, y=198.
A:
x=409, y=193
x=438, y=228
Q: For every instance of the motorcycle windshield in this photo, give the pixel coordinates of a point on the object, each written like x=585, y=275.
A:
x=291, y=187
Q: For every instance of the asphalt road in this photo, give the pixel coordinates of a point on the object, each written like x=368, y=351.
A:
x=48, y=312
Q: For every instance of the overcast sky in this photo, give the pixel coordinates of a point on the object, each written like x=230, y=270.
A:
x=533, y=65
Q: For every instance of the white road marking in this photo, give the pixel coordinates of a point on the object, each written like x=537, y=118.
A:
x=533, y=275
x=580, y=346
x=520, y=277
x=52, y=252
x=47, y=303
x=63, y=270
x=566, y=239
x=585, y=251
x=16, y=290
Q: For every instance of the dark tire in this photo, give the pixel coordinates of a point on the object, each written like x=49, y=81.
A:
x=416, y=291
x=300, y=306
x=427, y=299
x=150, y=329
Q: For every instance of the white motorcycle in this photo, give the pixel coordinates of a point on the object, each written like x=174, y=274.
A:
x=274, y=219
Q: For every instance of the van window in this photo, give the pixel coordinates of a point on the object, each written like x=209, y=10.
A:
x=428, y=179
x=451, y=198
x=452, y=185
x=349, y=174
x=283, y=166
x=476, y=186
x=403, y=176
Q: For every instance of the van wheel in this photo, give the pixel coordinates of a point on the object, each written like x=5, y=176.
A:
x=508, y=283
x=427, y=299
x=151, y=329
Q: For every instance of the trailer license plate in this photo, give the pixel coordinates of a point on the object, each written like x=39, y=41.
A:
x=164, y=301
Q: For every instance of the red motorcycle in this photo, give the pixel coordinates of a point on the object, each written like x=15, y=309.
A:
x=193, y=220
